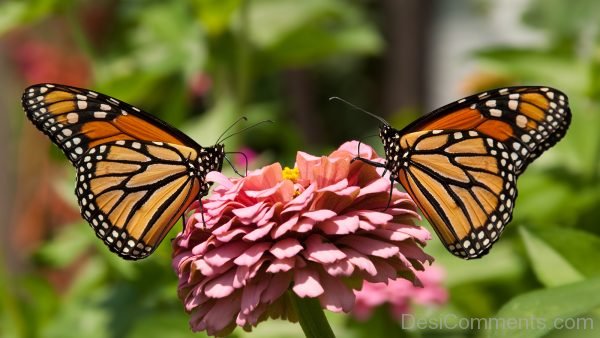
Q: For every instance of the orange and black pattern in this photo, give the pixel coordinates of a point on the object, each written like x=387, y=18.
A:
x=136, y=175
x=460, y=162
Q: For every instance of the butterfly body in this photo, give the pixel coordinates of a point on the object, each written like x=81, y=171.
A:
x=460, y=163
x=136, y=175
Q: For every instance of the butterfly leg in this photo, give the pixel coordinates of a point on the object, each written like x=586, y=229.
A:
x=202, y=213
x=369, y=162
x=391, y=193
x=234, y=168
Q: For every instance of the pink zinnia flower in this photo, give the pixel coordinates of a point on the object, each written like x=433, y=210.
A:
x=400, y=294
x=317, y=230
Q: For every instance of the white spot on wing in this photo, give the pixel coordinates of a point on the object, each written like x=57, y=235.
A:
x=496, y=112
x=72, y=117
x=490, y=103
x=521, y=121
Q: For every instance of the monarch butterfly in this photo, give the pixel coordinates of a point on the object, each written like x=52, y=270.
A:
x=460, y=162
x=136, y=175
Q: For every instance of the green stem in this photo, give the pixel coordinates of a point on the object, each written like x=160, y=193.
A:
x=311, y=316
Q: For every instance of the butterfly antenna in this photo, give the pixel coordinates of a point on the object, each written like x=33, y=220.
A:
x=243, y=130
x=379, y=118
x=232, y=167
x=244, y=118
x=244, y=155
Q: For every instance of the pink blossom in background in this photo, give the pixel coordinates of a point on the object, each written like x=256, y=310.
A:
x=317, y=230
x=41, y=61
x=401, y=294
x=200, y=84
x=240, y=161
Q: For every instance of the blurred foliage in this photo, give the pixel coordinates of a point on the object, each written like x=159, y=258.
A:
x=200, y=64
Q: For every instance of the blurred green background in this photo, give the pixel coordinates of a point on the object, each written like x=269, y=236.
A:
x=200, y=64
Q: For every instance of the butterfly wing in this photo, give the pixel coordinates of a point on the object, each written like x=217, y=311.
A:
x=464, y=183
x=136, y=175
x=78, y=119
x=132, y=192
x=528, y=120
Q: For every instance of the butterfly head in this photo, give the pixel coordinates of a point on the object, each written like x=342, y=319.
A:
x=211, y=158
x=391, y=145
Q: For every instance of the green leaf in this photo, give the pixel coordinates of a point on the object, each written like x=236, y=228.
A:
x=67, y=246
x=543, y=308
x=581, y=249
x=15, y=13
x=546, y=261
x=502, y=262
x=311, y=30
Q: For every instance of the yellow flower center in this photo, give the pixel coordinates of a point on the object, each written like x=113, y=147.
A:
x=291, y=174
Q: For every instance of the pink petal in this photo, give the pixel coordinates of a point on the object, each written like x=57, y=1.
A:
x=340, y=268
x=340, y=225
x=319, y=215
x=285, y=248
x=369, y=246
x=259, y=232
x=232, y=235
x=252, y=254
x=411, y=250
x=338, y=297
x=374, y=217
x=252, y=294
x=225, y=253
x=352, y=147
x=217, y=177
x=336, y=201
x=301, y=201
x=220, y=315
x=319, y=251
x=248, y=213
x=376, y=187
x=281, y=265
x=360, y=261
x=278, y=285
x=384, y=270
x=285, y=227
x=268, y=176
x=391, y=235
x=306, y=284
x=337, y=186
x=417, y=232
x=221, y=286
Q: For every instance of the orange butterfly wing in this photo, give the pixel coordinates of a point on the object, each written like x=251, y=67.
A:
x=136, y=175
x=528, y=120
x=468, y=194
x=464, y=184
x=78, y=119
